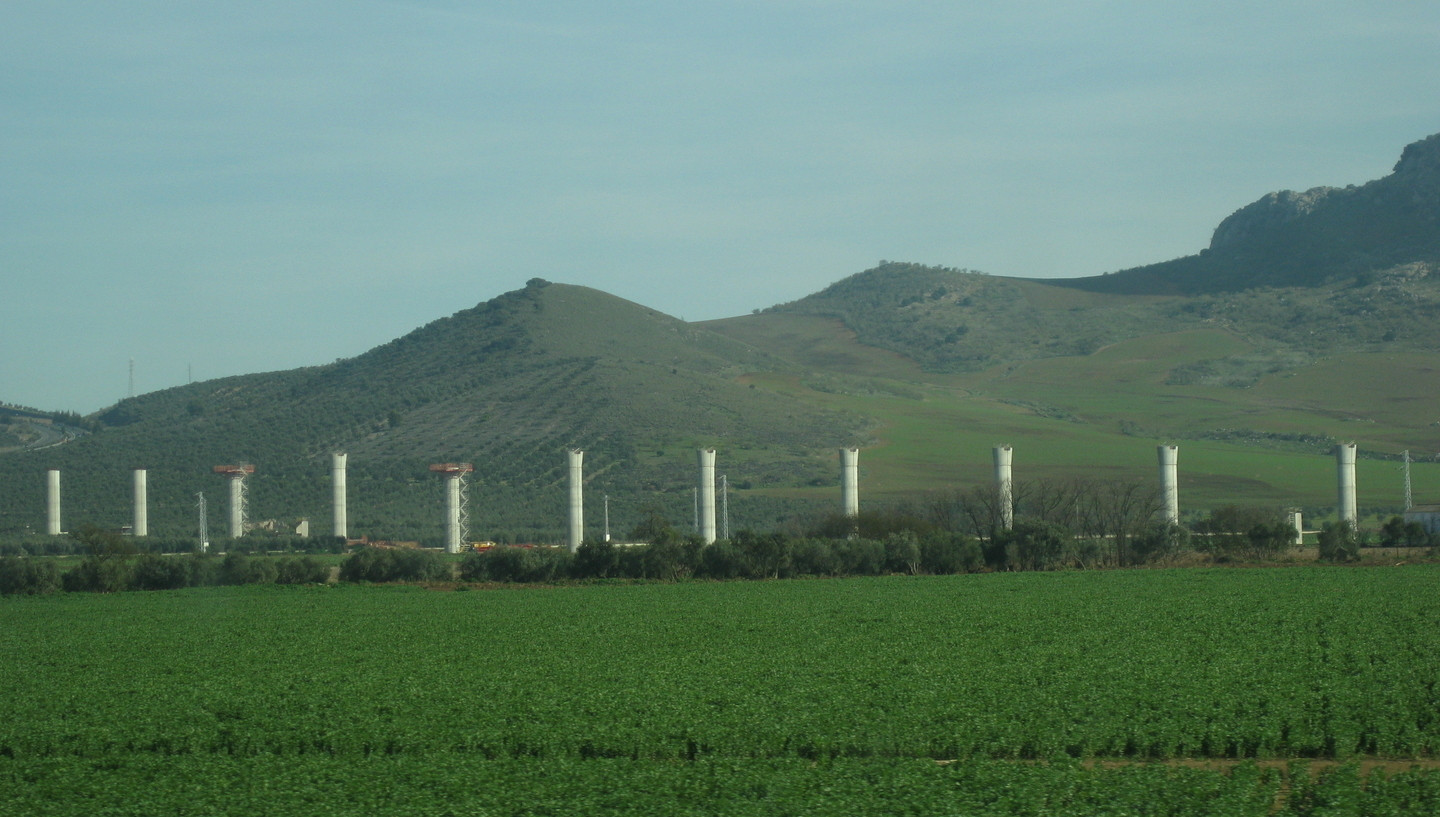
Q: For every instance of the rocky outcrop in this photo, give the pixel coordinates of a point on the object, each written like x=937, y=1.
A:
x=1321, y=237
x=1270, y=212
x=1420, y=163
x=1360, y=218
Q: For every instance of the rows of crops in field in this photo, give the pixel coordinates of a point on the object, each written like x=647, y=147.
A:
x=783, y=684
x=409, y=785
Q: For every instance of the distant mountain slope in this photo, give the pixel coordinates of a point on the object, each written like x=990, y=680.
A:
x=1297, y=274
x=509, y=385
x=957, y=320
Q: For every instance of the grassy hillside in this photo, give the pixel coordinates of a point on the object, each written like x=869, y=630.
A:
x=508, y=385
x=959, y=321
x=1101, y=415
x=956, y=320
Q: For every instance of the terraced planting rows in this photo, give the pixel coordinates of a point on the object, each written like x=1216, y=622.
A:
x=982, y=694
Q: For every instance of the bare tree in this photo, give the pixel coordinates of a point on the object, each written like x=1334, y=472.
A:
x=980, y=507
x=1051, y=500
x=944, y=509
x=1117, y=511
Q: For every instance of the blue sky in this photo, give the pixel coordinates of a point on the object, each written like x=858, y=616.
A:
x=227, y=187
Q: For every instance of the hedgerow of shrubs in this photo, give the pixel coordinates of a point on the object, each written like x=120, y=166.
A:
x=747, y=555
x=27, y=576
x=517, y=564
x=303, y=570
x=152, y=571
x=97, y=575
x=398, y=565
x=868, y=545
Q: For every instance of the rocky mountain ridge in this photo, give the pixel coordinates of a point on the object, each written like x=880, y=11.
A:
x=1309, y=238
x=1413, y=185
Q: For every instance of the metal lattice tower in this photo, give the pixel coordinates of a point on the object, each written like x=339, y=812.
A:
x=724, y=508
x=204, y=527
x=243, y=495
x=464, y=516
x=1409, y=497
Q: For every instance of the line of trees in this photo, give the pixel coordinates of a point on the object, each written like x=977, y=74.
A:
x=1065, y=524
x=257, y=542
x=1072, y=524
x=151, y=571
x=1075, y=524
x=1115, y=519
x=113, y=563
x=747, y=555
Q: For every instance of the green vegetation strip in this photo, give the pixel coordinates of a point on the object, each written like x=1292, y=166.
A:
x=776, y=697
x=404, y=785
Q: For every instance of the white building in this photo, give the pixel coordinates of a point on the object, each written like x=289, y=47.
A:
x=1427, y=515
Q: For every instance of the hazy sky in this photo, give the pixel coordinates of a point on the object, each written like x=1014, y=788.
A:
x=230, y=187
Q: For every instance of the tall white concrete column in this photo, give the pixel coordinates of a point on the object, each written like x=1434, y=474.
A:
x=142, y=511
x=850, y=482
x=1170, y=482
x=52, y=502
x=237, y=505
x=452, y=513
x=457, y=515
x=1345, y=473
x=1297, y=525
x=706, y=495
x=338, y=464
x=577, y=499
x=1005, y=484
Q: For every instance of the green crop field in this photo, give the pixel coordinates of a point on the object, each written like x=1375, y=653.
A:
x=980, y=694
